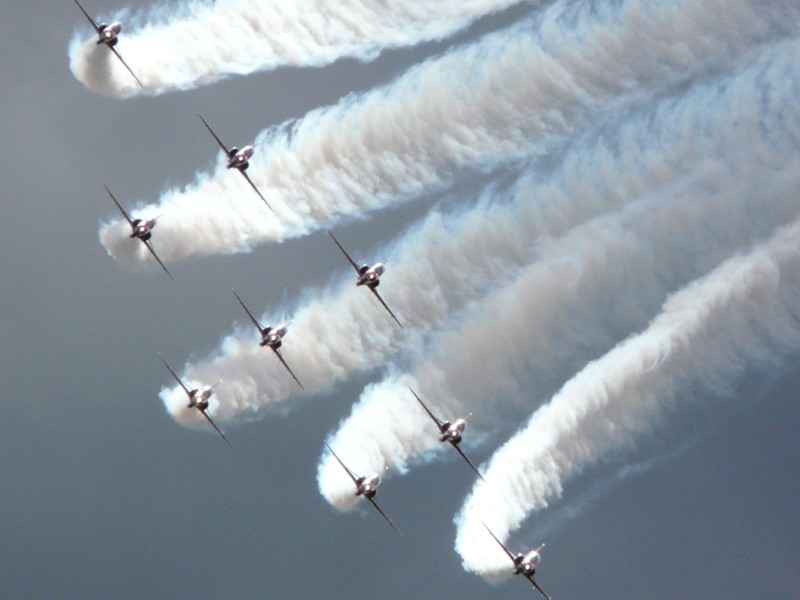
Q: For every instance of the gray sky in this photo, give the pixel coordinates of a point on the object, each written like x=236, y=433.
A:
x=104, y=495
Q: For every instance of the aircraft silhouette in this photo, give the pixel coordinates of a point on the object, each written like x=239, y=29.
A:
x=198, y=398
x=108, y=35
x=367, y=487
x=142, y=230
x=369, y=276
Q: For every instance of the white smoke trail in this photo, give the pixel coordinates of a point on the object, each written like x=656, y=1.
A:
x=516, y=342
x=456, y=260
x=739, y=144
x=190, y=44
x=742, y=317
x=342, y=329
x=516, y=93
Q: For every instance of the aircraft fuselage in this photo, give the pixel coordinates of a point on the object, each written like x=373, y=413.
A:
x=143, y=229
x=199, y=397
x=452, y=433
x=370, y=276
x=525, y=564
x=272, y=336
x=368, y=486
x=108, y=34
x=239, y=159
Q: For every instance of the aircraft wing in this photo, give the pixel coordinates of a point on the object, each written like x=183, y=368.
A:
x=427, y=410
x=214, y=425
x=119, y=206
x=536, y=585
x=219, y=141
x=280, y=357
x=378, y=296
x=253, y=185
x=91, y=20
x=249, y=314
x=175, y=375
x=502, y=545
x=153, y=252
x=384, y=515
x=122, y=60
x=469, y=462
x=344, y=466
x=349, y=258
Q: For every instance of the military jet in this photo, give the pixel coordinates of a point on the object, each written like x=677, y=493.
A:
x=143, y=230
x=450, y=432
x=366, y=486
x=369, y=276
x=524, y=564
x=237, y=159
x=108, y=35
x=198, y=398
x=270, y=336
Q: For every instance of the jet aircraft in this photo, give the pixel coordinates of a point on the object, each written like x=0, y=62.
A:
x=270, y=336
x=366, y=486
x=524, y=564
x=369, y=276
x=450, y=432
x=108, y=35
x=237, y=159
x=198, y=398
x=143, y=230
